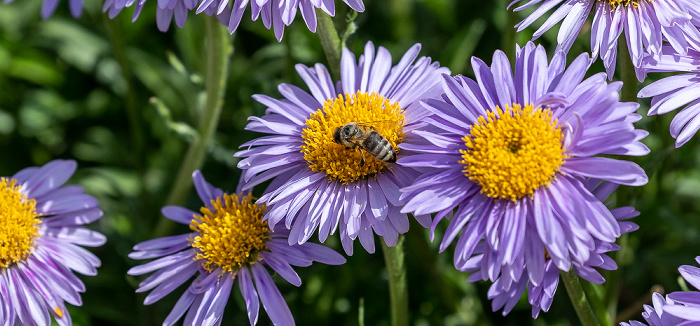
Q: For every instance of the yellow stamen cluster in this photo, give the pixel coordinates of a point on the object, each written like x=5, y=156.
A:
x=19, y=223
x=231, y=234
x=624, y=3
x=511, y=153
x=339, y=163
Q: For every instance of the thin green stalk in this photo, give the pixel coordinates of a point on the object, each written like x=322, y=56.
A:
x=133, y=113
x=629, y=79
x=330, y=41
x=218, y=52
x=398, y=290
x=578, y=299
x=594, y=294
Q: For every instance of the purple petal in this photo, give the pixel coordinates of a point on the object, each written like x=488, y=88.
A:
x=281, y=266
x=178, y=214
x=622, y=172
x=250, y=295
x=271, y=298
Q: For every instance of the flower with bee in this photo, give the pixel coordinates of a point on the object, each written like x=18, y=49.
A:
x=325, y=179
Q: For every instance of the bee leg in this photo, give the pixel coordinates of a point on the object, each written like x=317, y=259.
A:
x=362, y=163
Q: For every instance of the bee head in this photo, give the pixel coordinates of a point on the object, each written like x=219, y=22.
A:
x=337, y=135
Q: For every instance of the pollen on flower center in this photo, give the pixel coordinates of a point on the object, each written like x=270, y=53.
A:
x=19, y=223
x=231, y=234
x=624, y=3
x=369, y=111
x=511, y=153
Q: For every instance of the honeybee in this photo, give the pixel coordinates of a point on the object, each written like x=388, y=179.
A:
x=354, y=135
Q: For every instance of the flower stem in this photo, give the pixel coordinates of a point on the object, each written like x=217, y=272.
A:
x=330, y=41
x=219, y=49
x=595, y=295
x=578, y=299
x=133, y=113
x=394, y=259
x=629, y=79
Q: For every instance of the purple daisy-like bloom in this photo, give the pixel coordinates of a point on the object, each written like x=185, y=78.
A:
x=167, y=10
x=44, y=220
x=646, y=23
x=678, y=308
x=511, y=152
x=656, y=315
x=317, y=182
x=229, y=242
x=505, y=292
x=274, y=13
x=49, y=7
x=673, y=92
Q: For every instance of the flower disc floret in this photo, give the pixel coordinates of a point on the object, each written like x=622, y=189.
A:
x=323, y=154
x=230, y=234
x=624, y=3
x=19, y=223
x=511, y=153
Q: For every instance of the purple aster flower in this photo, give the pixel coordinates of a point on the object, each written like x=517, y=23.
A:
x=229, y=242
x=657, y=315
x=673, y=92
x=678, y=308
x=167, y=9
x=44, y=220
x=319, y=183
x=511, y=153
x=542, y=280
x=646, y=23
x=275, y=13
x=49, y=7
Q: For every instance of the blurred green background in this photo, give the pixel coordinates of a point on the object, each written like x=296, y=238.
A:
x=121, y=97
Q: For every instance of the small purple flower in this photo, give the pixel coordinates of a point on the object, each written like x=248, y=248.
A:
x=646, y=25
x=673, y=92
x=512, y=153
x=505, y=292
x=678, y=308
x=167, y=9
x=317, y=183
x=274, y=13
x=49, y=7
x=229, y=242
x=656, y=315
x=44, y=220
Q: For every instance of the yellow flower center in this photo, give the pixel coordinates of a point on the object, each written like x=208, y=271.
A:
x=231, y=234
x=19, y=223
x=624, y=3
x=369, y=111
x=512, y=153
